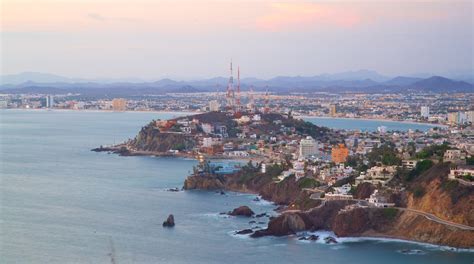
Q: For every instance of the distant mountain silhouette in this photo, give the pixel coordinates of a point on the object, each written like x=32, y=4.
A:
x=402, y=80
x=441, y=84
x=280, y=84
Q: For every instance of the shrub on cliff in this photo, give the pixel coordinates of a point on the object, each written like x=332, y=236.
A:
x=308, y=183
x=390, y=213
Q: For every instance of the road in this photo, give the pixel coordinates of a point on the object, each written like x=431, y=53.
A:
x=428, y=216
x=437, y=219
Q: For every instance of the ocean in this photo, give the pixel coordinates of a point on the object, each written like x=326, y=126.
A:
x=62, y=203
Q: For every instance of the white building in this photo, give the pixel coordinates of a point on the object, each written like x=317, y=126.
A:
x=308, y=147
x=214, y=106
x=425, y=112
x=49, y=101
x=382, y=129
x=377, y=175
x=377, y=200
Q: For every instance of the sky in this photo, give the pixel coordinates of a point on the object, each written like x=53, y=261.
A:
x=197, y=39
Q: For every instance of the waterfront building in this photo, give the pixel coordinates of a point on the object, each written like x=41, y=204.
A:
x=308, y=147
x=119, y=104
x=332, y=110
x=425, y=112
x=339, y=153
x=382, y=129
x=49, y=101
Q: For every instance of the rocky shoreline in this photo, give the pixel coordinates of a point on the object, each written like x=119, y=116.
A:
x=338, y=216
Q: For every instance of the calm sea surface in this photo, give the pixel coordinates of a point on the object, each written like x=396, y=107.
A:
x=62, y=203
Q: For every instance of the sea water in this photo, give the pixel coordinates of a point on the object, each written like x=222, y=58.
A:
x=62, y=203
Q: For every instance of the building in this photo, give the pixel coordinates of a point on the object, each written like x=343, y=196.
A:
x=377, y=175
x=425, y=112
x=470, y=117
x=455, y=156
x=49, y=101
x=214, y=106
x=332, y=110
x=378, y=200
x=339, y=153
x=382, y=129
x=308, y=147
x=459, y=171
x=409, y=164
x=119, y=104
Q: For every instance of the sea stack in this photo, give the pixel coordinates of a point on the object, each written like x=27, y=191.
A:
x=169, y=221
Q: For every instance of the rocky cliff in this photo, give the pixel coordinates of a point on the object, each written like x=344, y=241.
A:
x=447, y=199
x=151, y=139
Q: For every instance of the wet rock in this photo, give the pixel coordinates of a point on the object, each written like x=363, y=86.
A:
x=173, y=189
x=242, y=211
x=222, y=193
x=252, y=222
x=244, y=232
x=285, y=224
x=330, y=240
x=261, y=215
x=256, y=199
x=169, y=221
x=309, y=238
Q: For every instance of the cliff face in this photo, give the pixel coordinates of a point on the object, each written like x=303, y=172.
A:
x=440, y=197
x=447, y=199
x=151, y=139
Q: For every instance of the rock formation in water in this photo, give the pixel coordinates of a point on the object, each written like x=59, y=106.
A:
x=242, y=211
x=169, y=221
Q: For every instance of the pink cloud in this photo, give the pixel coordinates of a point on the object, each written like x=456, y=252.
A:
x=286, y=16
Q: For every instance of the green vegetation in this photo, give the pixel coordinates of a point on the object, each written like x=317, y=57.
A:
x=418, y=192
x=385, y=154
x=456, y=190
x=421, y=167
x=431, y=151
x=308, y=183
x=470, y=160
x=390, y=213
x=179, y=146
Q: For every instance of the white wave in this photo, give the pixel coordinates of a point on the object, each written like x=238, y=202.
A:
x=343, y=240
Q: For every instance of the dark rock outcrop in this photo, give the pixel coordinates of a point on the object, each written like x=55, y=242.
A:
x=169, y=221
x=244, y=232
x=309, y=238
x=285, y=224
x=242, y=211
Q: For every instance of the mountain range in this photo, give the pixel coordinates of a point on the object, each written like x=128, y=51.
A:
x=356, y=81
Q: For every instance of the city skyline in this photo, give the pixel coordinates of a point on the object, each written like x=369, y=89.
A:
x=196, y=39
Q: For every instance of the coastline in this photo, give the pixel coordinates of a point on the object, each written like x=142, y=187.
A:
x=198, y=112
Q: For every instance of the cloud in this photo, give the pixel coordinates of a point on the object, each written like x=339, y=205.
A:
x=291, y=16
x=96, y=17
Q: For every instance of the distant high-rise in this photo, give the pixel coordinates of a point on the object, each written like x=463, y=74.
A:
x=332, y=110
x=49, y=101
x=308, y=147
x=214, y=106
x=453, y=118
x=425, y=111
x=119, y=104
